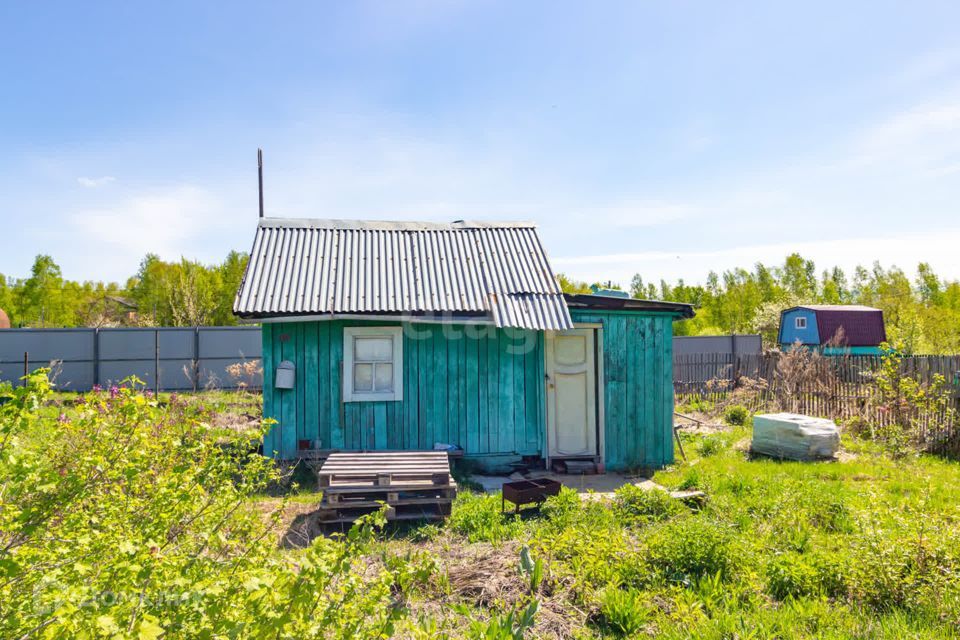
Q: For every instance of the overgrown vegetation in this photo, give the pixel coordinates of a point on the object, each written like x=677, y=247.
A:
x=894, y=402
x=122, y=515
x=184, y=293
x=922, y=314
x=122, y=518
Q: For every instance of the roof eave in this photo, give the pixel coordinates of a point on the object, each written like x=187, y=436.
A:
x=679, y=310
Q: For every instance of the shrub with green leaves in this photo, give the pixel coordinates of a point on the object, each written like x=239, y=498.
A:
x=635, y=505
x=710, y=445
x=736, y=415
x=562, y=509
x=480, y=518
x=691, y=547
x=623, y=612
x=696, y=404
x=792, y=576
x=590, y=554
x=123, y=518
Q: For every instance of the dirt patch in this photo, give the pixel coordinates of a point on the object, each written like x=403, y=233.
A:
x=846, y=456
x=295, y=525
x=483, y=574
x=698, y=424
x=487, y=576
x=239, y=422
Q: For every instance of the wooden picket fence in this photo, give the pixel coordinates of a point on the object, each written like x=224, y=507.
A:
x=848, y=389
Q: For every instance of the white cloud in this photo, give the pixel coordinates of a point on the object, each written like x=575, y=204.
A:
x=170, y=222
x=94, y=183
x=921, y=138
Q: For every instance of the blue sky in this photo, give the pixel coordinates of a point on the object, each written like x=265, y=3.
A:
x=662, y=138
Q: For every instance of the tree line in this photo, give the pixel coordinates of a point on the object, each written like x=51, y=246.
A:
x=179, y=294
x=922, y=312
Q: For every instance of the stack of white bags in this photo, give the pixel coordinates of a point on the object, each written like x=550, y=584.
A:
x=794, y=437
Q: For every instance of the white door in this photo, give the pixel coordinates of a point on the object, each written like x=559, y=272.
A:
x=571, y=393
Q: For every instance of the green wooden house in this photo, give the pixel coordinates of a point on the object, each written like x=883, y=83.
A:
x=400, y=335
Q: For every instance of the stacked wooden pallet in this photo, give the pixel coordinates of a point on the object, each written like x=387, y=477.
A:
x=415, y=485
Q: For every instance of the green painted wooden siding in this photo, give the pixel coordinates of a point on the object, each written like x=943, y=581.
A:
x=477, y=387
x=483, y=393
x=638, y=387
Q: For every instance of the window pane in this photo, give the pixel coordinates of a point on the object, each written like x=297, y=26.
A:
x=373, y=349
x=363, y=377
x=384, y=377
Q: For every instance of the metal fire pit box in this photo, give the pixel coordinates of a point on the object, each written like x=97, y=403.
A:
x=524, y=492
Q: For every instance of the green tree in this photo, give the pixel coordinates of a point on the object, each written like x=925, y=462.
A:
x=567, y=285
x=798, y=277
x=231, y=274
x=40, y=297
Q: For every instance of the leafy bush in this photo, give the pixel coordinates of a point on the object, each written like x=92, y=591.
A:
x=691, y=547
x=124, y=518
x=590, y=555
x=415, y=571
x=710, y=445
x=904, y=571
x=623, y=612
x=736, y=415
x=635, y=505
x=696, y=404
x=480, y=519
x=691, y=480
x=790, y=576
x=562, y=509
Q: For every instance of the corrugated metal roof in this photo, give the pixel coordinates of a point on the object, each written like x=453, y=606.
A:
x=861, y=326
x=315, y=267
x=837, y=307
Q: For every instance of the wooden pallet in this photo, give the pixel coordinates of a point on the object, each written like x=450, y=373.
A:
x=390, y=495
x=412, y=469
x=345, y=515
x=414, y=485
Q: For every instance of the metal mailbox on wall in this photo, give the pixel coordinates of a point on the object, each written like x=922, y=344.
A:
x=286, y=377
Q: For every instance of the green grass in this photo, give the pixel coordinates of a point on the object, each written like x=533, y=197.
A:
x=864, y=548
x=867, y=547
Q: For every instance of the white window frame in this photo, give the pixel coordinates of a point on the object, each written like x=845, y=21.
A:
x=350, y=334
x=800, y=322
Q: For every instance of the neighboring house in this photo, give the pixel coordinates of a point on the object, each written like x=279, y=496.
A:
x=836, y=329
x=402, y=335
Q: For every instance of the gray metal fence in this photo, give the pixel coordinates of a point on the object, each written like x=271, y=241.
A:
x=187, y=358
x=732, y=344
x=177, y=358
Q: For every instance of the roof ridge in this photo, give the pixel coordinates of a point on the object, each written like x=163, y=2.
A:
x=393, y=225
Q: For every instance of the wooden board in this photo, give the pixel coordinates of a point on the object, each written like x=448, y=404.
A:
x=396, y=470
x=434, y=511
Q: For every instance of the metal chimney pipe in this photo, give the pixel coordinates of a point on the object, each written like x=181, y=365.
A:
x=260, y=177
